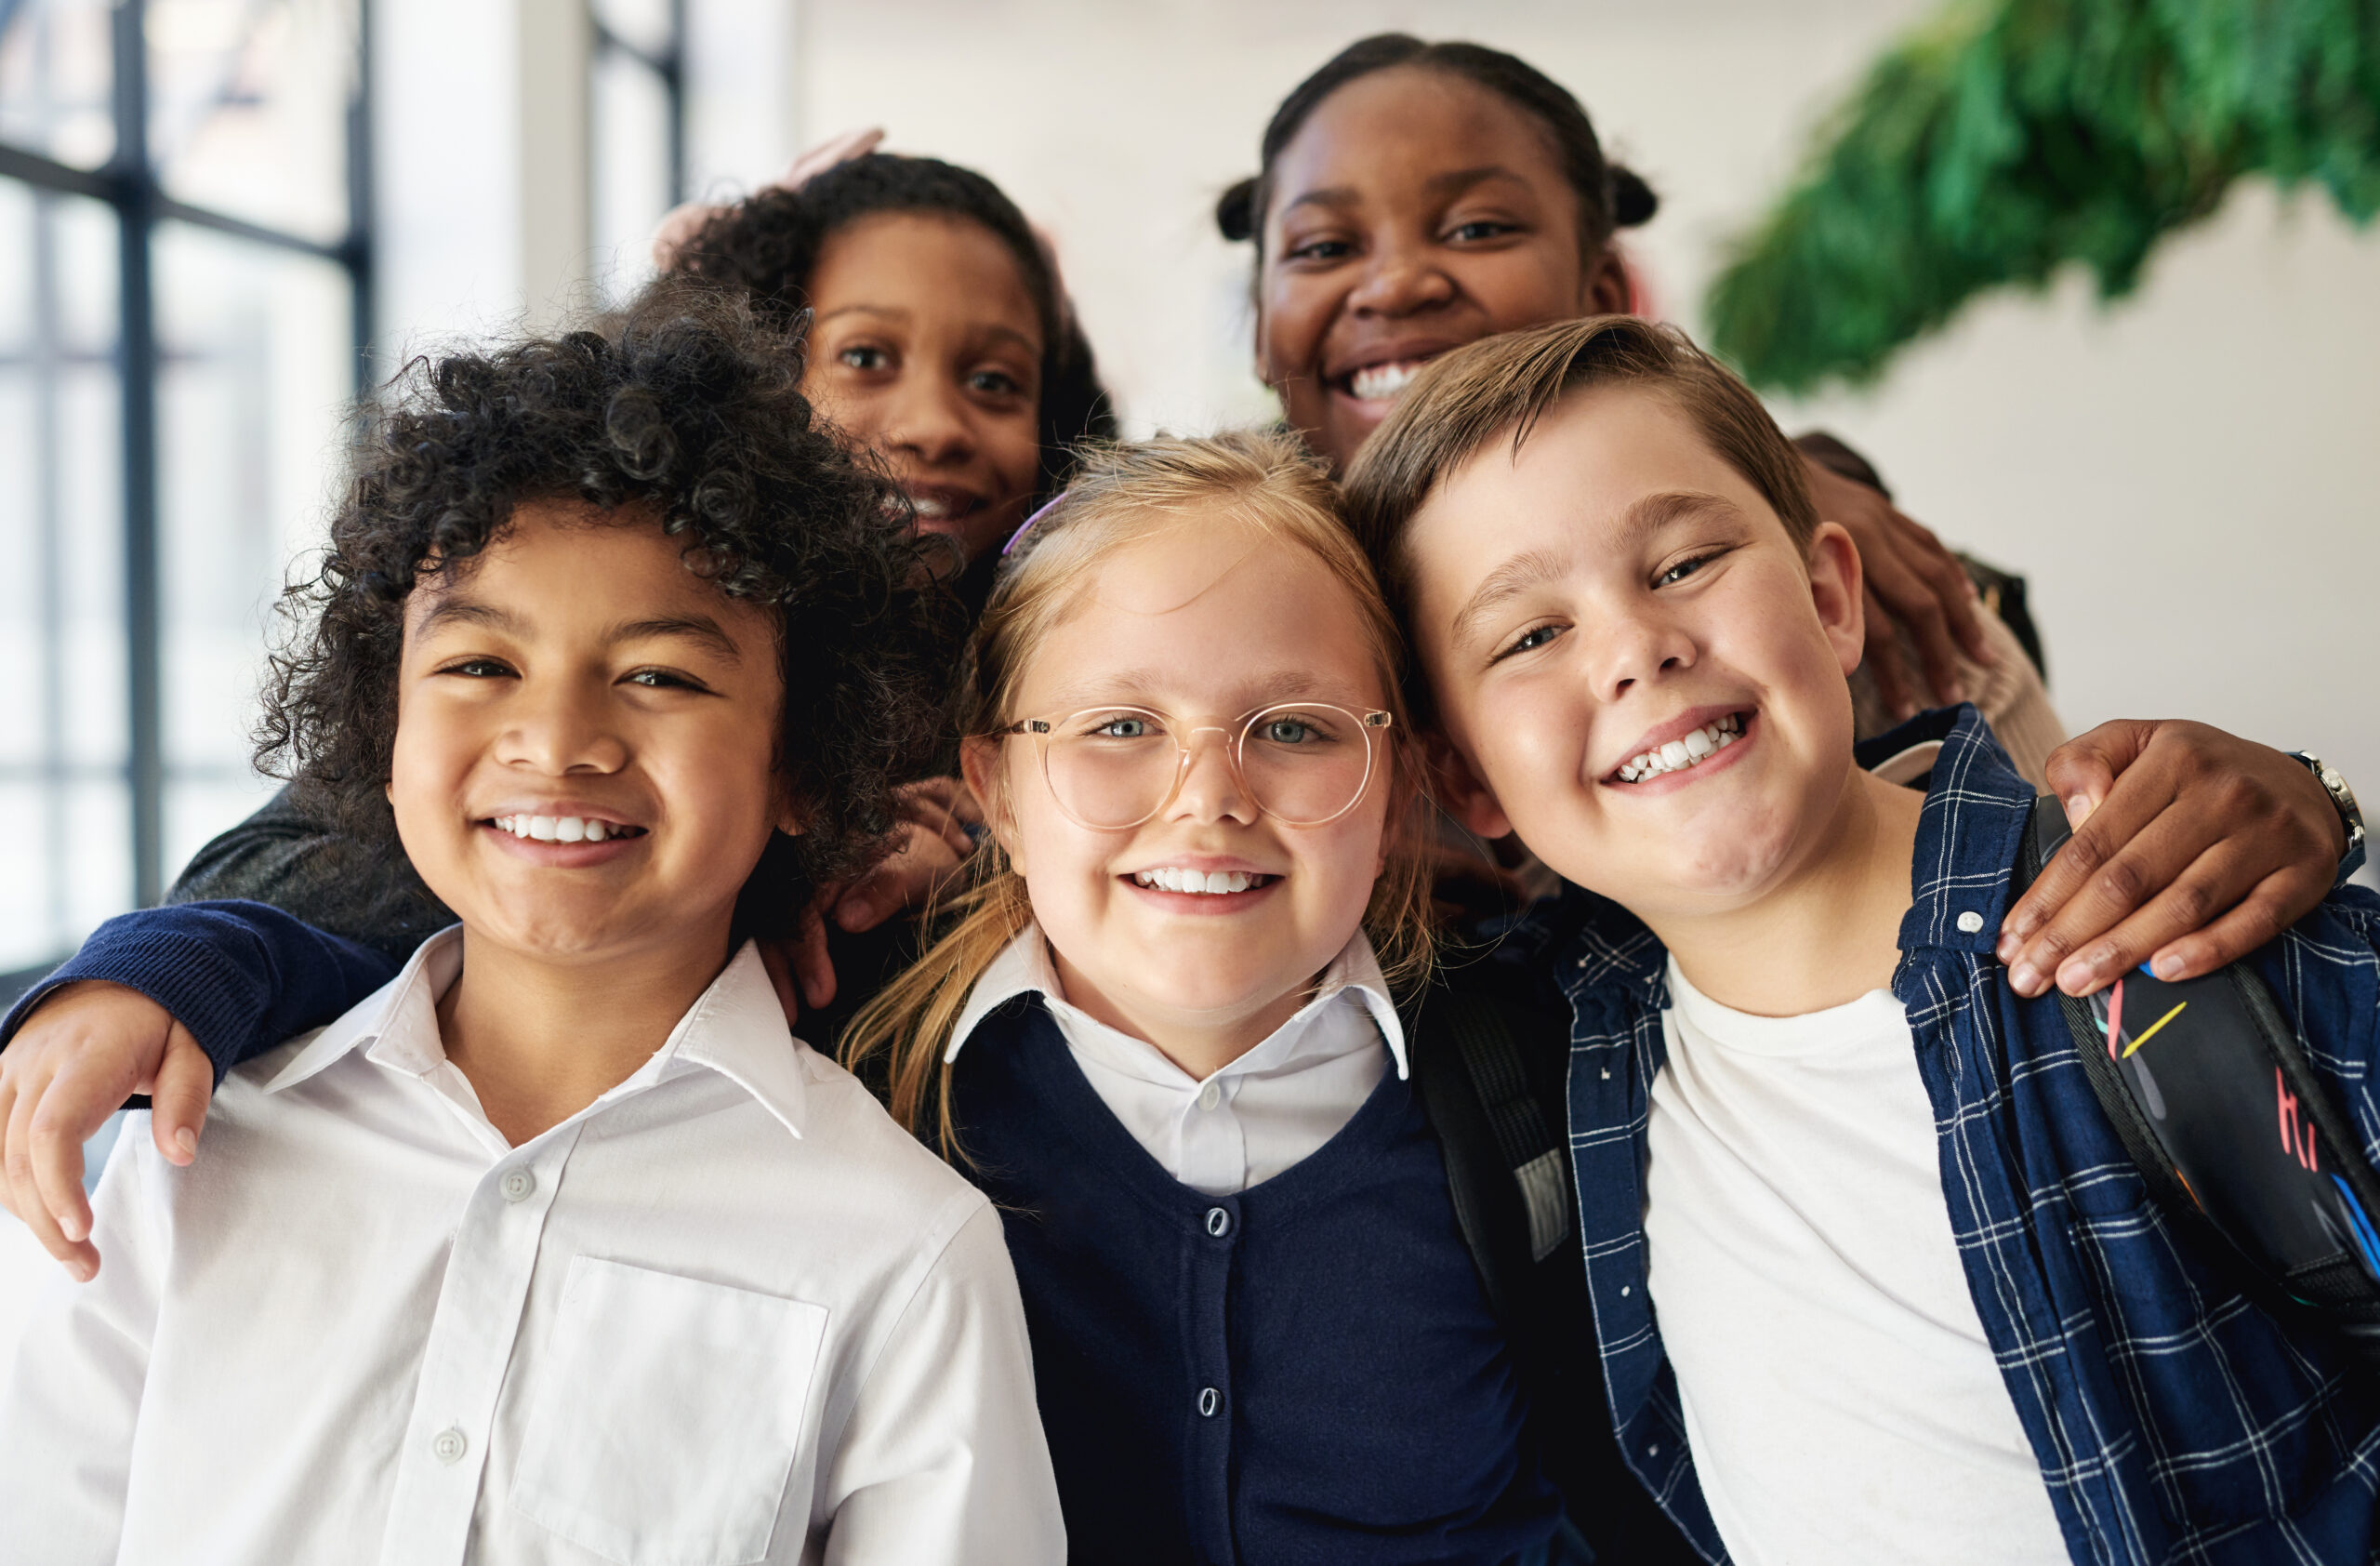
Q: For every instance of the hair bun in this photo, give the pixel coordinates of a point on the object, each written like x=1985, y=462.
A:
x=1235, y=211
x=1633, y=201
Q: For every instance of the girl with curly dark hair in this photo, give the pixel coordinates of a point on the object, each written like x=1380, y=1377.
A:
x=940, y=335
x=605, y=622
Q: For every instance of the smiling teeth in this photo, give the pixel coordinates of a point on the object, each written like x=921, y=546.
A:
x=559, y=828
x=1170, y=879
x=1680, y=754
x=1377, y=383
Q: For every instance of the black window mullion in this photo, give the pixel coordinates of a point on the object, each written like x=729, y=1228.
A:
x=137, y=361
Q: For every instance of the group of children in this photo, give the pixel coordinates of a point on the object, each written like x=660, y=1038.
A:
x=555, y=1245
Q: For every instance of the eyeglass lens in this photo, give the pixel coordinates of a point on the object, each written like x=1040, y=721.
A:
x=1114, y=767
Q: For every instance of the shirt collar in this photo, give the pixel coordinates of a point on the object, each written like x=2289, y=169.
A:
x=1968, y=834
x=736, y=1027
x=1024, y=968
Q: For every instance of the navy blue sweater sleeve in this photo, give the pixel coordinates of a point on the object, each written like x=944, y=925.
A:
x=240, y=976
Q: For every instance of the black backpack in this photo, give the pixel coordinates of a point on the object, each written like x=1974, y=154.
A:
x=1490, y=1069
x=2208, y=1087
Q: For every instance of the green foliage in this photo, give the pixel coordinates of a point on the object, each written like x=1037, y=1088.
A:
x=2011, y=135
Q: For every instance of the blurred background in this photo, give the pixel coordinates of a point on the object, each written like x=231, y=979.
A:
x=222, y=219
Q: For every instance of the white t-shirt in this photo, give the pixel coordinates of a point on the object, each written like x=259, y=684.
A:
x=1842, y=1403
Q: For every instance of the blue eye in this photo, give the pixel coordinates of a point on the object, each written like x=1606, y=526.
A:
x=1530, y=640
x=1122, y=728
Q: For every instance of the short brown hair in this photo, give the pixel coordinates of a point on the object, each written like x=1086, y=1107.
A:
x=1463, y=401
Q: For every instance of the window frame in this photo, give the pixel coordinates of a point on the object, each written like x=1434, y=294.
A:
x=131, y=186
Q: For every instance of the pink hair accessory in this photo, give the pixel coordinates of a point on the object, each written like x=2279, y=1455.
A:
x=1055, y=501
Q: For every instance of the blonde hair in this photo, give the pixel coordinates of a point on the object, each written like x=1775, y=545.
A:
x=1120, y=495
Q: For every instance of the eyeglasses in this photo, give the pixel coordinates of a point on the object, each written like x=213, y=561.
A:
x=1109, y=768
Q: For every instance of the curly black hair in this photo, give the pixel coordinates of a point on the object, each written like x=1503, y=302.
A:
x=683, y=406
x=770, y=242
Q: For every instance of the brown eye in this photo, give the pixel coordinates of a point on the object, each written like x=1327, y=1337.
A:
x=862, y=358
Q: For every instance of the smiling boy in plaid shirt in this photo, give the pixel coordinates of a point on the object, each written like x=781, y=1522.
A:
x=1873, y=1277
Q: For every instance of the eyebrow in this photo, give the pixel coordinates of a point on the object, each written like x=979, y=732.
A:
x=457, y=609
x=896, y=313
x=1531, y=568
x=1263, y=691
x=1450, y=182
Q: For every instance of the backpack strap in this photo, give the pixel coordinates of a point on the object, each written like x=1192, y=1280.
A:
x=1492, y=1073
x=2208, y=1087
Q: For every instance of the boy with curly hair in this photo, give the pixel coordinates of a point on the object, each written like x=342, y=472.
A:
x=559, y=1247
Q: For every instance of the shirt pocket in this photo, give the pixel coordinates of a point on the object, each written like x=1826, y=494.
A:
x=667, y=1416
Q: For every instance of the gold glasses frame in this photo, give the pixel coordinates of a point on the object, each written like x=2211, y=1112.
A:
x=1041, y=730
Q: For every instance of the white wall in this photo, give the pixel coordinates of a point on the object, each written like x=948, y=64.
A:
x=2189, y=479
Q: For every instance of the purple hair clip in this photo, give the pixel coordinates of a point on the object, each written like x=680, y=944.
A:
x=1055, y=501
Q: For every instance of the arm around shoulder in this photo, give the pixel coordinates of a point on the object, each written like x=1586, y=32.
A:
x=241, y=976
x=943, y=1458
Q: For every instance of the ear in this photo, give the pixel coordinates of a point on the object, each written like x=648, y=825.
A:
x=980, y=759
x=1838, y=591
x=1464, y=794
x=1603, y=289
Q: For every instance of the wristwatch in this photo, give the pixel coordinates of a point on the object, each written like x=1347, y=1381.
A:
x=2342, y=798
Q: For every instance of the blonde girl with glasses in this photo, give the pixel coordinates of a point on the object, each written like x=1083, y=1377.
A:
x=1163, y=1035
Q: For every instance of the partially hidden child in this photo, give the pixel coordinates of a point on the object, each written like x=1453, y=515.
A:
x=559, y=1247
x=1873, y=1277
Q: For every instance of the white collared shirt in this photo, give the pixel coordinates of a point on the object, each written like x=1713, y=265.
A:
x=1266, y=1111
x=728, y=1313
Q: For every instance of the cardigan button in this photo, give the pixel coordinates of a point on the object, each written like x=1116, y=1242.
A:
x=1218, y=1222
x=1211, y=1403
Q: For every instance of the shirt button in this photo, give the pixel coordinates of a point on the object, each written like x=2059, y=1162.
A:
x=448, y=1445
x=1211, y=1403
x=1218, y=1222
x=1624, y=1290
x=1970, y=921
x=1210, y=1095
x=517, y=1184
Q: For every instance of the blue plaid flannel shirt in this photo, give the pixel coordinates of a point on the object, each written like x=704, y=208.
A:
x=2174, y=1421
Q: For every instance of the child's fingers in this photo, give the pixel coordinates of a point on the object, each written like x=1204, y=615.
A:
x=814, y=967
x=178, y=1099
x=908, y=879
x=2190, y=899
x=2263, y=915
x=2082, y=772
x=25, y=1196
x=827, y=154
x=1885, y=662
x=773, y=959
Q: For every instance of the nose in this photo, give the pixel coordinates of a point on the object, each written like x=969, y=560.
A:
x=928, y=422
x=559, y=728
x=1640, y=644
x=1400, y=279
x=1211, y=789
